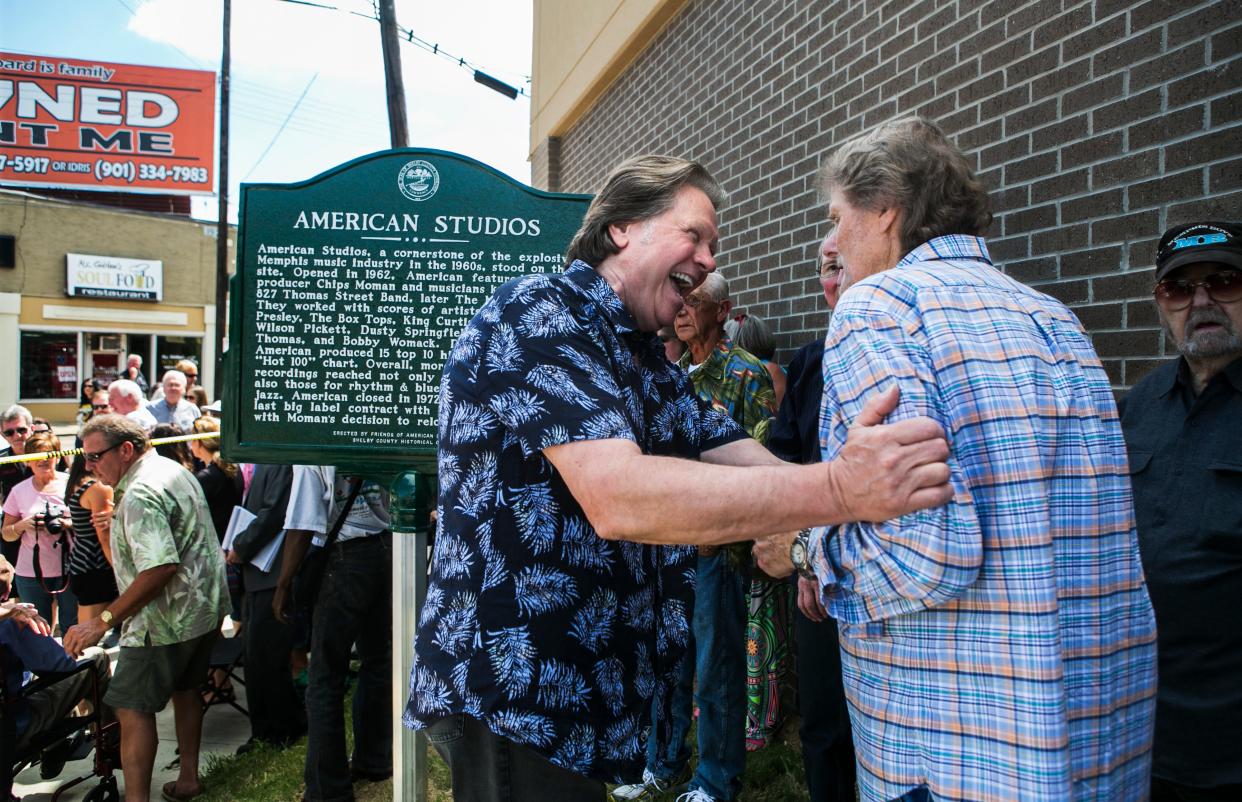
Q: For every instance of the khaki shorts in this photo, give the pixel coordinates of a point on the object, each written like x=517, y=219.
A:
x=146, y=676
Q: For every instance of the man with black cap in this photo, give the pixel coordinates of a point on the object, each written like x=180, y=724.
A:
x=1182, y=429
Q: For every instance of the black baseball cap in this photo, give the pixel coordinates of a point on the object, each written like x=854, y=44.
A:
x=1199, y=242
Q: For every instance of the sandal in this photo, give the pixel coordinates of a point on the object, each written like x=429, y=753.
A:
x=169, y=792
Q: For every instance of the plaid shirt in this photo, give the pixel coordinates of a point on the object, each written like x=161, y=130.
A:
x=1002, y=646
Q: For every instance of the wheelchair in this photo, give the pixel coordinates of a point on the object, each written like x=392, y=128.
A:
x=51, y=745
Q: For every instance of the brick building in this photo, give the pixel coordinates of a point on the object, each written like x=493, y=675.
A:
x=1095, y=125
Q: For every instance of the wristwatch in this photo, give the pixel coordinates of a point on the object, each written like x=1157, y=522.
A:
x=106, y=617
x=799, y=554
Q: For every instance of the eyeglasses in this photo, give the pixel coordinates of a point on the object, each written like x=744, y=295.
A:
x=1224, y=287
x=95, y=457
x=695, y=301
x=14, y=432
x=827, y=269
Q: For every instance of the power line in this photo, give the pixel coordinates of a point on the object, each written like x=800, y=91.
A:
x=434, y=49
x=276, y=136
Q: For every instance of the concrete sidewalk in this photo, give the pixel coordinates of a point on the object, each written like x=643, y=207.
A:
x=224, y=729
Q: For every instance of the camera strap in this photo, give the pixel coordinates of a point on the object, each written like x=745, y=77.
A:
x=62, y=542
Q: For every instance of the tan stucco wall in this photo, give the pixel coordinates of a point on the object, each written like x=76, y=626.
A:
x=580, y=47
x=46, y=230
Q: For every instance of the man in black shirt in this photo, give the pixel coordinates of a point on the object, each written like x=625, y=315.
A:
x=824, y=724
x=1182, y=429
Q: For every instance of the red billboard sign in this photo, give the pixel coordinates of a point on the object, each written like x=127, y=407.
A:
x=97, y=125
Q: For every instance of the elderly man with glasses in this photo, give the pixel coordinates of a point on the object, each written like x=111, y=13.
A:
x=17, y=425
x=173, y=597
x=1182, y=430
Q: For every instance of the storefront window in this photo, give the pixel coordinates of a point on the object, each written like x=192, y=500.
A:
x=171, y=350
x=49, y=364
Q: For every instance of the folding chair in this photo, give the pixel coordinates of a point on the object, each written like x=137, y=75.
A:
x=227, y=656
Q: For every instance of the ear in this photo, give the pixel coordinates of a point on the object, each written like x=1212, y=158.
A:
x=620, y=233
x=890, y=218
x=722, y=311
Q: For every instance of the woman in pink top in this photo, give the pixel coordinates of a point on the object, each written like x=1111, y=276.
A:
x=25, y=518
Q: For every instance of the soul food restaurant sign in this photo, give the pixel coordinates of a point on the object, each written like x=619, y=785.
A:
x=350, y=291
x=113, y=277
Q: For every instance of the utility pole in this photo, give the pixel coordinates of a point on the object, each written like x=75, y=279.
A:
x=222, y=221
x=409, y=548
x=397, y=127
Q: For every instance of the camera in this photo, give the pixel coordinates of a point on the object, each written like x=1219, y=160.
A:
x=52, y=519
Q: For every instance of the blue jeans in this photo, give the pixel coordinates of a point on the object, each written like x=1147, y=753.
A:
x=719, y=652
x=354, y=607
x=31, y=590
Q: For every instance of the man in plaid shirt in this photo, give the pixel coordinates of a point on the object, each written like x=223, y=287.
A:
x=1002, y=646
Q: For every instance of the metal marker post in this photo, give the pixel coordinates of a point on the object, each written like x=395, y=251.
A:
x=411, y=499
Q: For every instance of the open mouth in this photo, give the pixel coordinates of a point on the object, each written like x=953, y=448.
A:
x=684, y=283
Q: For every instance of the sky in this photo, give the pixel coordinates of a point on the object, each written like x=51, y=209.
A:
x=318, y=72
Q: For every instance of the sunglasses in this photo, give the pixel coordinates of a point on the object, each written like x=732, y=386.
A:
x=92, y=457
x=15, y=432
x=1224, y=287
x=101, y=406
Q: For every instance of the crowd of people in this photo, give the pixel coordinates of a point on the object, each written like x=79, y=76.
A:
x=992, y=581
x=150, y=545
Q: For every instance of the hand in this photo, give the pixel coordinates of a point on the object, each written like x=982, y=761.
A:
x=772, y=554
x=232, y=558
x=887, y=471
x=102, y=521
x=808, y=600
x=25, y=614
x=280, y=602
x=81, y=637
x=29, y=523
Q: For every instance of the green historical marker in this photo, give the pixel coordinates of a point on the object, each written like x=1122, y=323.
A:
x=351, y=288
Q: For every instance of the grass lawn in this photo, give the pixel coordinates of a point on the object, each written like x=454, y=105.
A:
x=269, y=774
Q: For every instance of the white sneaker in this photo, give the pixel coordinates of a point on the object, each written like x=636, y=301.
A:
x=695, y=795
x=647, y=789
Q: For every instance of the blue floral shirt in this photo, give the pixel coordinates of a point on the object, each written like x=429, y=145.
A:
x=533, y=624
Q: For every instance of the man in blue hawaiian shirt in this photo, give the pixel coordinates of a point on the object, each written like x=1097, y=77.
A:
x=567, y=442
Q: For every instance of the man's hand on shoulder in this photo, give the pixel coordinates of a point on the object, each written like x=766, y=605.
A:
x=886, y=471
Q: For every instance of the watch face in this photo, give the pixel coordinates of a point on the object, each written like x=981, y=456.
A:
x=797, y=554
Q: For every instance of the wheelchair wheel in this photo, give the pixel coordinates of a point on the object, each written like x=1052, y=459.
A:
x=106, y=791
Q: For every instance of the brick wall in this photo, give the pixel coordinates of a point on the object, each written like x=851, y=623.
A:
x=1095, y=125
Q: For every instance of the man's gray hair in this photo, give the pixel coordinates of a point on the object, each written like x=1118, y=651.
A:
x=174, y=373
x=638, y=189
x=117, y=429
x=126, y=389
x=17, y=411
x=137, y=357
x=716, y=287
x=910, y=164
